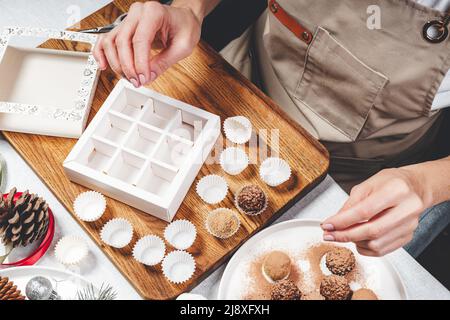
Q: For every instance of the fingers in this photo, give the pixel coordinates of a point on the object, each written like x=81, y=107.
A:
x=99, y=55
x=125, y=49
x=362, y=211
x=374, y=229
x=395, y=238
x=357, y=194
x=378, y=233
x=388, y=191
x=166, y=58
x=384, y=246
x=142, y=43
x=110, y=51
x=115, y=49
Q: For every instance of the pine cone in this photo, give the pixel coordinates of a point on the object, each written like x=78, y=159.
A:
x=8, y=291
x=24, y=221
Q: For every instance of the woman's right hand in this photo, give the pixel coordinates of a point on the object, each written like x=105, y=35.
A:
x=126, y=49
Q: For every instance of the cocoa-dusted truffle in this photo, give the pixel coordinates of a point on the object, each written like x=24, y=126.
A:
x=364, y=294
x=285, y=290
x=251, y=200
x=335, y=288
x=313, y=296
x=277, y=266
x=340, y=261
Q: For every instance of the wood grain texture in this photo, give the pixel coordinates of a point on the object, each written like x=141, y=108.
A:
x=205, y=80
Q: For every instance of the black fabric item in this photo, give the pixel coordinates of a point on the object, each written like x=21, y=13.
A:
x=229, y=20
x=443, y=142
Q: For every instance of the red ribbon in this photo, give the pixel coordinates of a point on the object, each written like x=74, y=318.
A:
x=43, y=247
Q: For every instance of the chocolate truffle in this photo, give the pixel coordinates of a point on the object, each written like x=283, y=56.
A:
x=277, y=266
x=251, y=200
x=364, y=294
x=313, y=296
x=340, y=261
x=285, y=290
x=335, y=288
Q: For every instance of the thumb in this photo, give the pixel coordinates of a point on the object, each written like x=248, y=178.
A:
x=176, y=51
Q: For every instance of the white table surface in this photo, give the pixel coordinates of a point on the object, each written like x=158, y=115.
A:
x=325, y=200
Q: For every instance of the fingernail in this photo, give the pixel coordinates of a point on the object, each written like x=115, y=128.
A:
x=142, y=79
x=328, y=237
x=152, y=76
x=134, y=82
x=327, y=227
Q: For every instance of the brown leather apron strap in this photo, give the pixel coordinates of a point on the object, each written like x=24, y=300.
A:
x=289, y=22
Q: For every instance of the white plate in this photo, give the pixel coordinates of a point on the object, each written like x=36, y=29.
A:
x=65, y=283
x=297, y=236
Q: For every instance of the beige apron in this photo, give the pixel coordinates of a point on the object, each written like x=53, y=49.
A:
x=366, y=94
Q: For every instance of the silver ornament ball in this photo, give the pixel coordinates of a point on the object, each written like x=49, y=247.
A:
x=40, y=288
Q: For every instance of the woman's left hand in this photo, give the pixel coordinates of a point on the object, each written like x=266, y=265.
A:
x=381, y=213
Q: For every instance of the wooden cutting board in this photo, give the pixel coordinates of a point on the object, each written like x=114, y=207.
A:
x=205, y=80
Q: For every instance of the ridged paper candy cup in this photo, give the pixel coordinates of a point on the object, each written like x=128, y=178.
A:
x=233, y=160
x=89, y=206
x=238, y=129
x=178, y=266
x=71, y=250
x=149, y=250
x=212, y=189
x=180, y=234
x=117, y=233
x=222, y=223
x=274, y=171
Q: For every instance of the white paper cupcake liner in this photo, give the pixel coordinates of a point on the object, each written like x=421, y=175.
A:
x=71, y=250
x=216, y=212
x=180, y=234
x=89, y=206
x=233, y=160
x=238, y=129
x=274, y=171
x=266, y=204
x=212, y=189
x=178, y=266
x=149, y=250
x=117, y=233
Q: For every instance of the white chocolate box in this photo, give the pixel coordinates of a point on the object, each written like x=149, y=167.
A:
x=144, y=149
x=45, y=91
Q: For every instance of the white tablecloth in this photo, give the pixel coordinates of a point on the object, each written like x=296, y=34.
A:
x=325, y=200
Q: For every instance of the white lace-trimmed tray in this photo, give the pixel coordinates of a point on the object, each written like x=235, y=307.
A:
x=46, y=91
x=144, y=149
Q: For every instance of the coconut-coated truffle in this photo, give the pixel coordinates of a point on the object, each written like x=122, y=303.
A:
x=285, y=290
x=335, y=287
x=340, y=261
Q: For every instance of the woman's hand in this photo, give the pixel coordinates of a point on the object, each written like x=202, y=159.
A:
x=382, y=213
x=126, y=49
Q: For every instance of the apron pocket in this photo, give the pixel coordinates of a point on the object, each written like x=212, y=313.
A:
x=337, y=86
